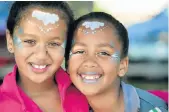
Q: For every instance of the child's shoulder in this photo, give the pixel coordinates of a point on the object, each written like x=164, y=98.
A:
x=149, y=101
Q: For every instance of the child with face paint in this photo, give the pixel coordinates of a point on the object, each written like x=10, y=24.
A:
x=97, y=59
x=36, y=35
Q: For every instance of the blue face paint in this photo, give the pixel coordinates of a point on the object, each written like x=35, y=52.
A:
x=64, y=44
x=89, y=81
x=116, y=57
x=112, y=44
x=70, y=54
x=20, y=31
x=17, y=41
x=73, y=42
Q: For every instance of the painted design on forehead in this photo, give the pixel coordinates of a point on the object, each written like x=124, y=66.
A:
x=94, y=26
x=45, y=17
x=116, y=56
x=17, y=40
x=44, y=30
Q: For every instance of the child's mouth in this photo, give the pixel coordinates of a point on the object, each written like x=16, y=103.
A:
x=90, y=77
x=39, y=68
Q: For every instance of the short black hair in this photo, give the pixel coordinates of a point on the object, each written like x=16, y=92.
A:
x=19, y=7
x=102, y=16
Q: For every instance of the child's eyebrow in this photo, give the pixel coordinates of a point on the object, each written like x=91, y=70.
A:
x=79, y=44
x=105, y=45
x=36, y=36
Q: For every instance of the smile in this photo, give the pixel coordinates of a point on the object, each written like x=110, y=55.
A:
x=90, y=77
x=39, y=66
x=38, y=69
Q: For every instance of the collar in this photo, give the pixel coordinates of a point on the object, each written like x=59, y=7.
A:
x=131, y=98
x=11, y=89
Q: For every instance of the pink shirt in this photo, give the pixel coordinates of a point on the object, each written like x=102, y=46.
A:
x=13, y=99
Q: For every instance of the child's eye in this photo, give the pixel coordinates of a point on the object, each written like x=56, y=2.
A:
x=31, y=42
x=53, y=44
x=79, y=52
x=104, y=53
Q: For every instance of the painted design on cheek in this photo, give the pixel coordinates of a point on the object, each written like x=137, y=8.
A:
x=73, y=42
x=116, y=57
x=93, y=26
x=45, y=17
x=70, y=54
x=64, y=44
x=112, y=44
x=20, y=30
x=17, y=41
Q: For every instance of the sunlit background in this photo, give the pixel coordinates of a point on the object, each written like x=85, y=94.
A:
x=147, y=25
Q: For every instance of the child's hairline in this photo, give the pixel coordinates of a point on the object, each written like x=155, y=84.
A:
x=108, y=23
x=27, y=9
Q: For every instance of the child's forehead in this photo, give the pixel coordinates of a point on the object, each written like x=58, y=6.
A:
x=97, y=32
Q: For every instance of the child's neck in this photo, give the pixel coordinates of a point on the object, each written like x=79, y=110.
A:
x=109, y=101
x=33, y=89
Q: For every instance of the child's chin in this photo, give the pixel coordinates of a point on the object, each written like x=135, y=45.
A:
x=89, y=92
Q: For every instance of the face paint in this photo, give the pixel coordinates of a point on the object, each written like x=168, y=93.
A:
x=64, y=44
x=92, y=77
x=17, y=41
x=73, y=42
x=45, y=17
x=70, y=54
x=44, y=30
x=20, y=30
x=93, y=26
x=112, y=44
x=116, y=57
x=89, y=81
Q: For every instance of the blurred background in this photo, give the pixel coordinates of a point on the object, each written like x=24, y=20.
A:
x=147, y=25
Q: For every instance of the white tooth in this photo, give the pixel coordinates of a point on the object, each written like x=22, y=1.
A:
x=41, y=67
x=86, y=77
x=36, y=66
x=92, y=77
x=83, y=76
x=97, y=77
x=89, y=77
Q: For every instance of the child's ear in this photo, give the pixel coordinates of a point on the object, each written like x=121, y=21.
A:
x=123, y=67
x=9, y=41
